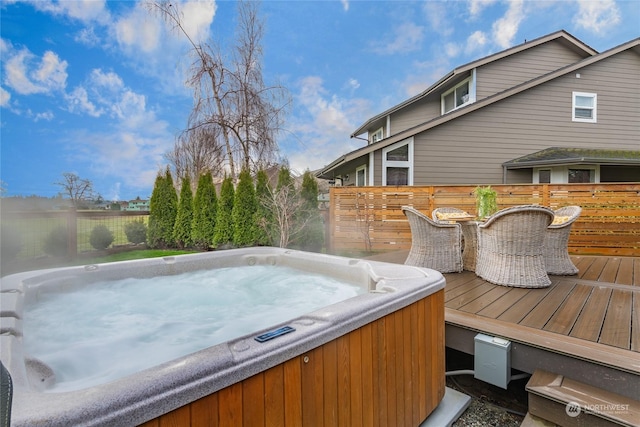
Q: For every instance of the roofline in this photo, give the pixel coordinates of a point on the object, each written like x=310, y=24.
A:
x=485, y=102
x=570, y=161
x=474, y=64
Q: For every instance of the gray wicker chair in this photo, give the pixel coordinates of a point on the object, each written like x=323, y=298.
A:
x=511, y=247
x=433, y=245
x=556, y=242
x=469, y=235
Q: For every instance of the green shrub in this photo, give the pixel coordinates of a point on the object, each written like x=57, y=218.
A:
x=243, y=212
x=101, y=237
x=205, y=208
x=184, y=217
x=11, y=243
x=57, y=242
x=136, y=231
x=163, y=209
x=224, y=221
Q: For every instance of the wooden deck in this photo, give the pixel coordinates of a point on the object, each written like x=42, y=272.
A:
x=588, y=324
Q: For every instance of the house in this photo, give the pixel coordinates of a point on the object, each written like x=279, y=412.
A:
x=136, y=205
x=549, y=110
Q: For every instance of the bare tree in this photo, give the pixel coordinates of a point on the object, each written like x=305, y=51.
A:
x=230, y=95
x=285, y=205
x=197, y=152
x=79, y=190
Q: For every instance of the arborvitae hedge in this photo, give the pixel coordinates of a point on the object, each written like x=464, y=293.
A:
x=224, y=221
x=205, y=209
x=263, y=217
x=163, y=208
x=184, y=218
x=244, y=209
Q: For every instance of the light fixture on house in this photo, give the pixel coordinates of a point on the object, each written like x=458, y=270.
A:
x=577, y=75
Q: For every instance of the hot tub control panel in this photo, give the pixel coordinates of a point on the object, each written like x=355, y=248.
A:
x=273, y=334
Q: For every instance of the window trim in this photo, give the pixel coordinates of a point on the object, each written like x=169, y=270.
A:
x=374, y=136
x=471, y=94
x=594, y=109
x=397, y=163
x=364, y=169
x=560, y=174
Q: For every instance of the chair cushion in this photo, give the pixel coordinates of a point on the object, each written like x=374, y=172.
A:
x=558, y=219
x=452, y=215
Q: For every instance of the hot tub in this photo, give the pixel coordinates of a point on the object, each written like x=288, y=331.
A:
x=378, y=355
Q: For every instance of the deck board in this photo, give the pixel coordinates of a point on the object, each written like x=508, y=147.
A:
x=595, y=269
x=616, y=330
x=594, y=315
x=541, y=313
x=625, y=272
x=500, y=305
x=589, y=322
x=635, y=323
x=565, y=317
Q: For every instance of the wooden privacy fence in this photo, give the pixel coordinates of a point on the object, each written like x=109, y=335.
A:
x=371, y=219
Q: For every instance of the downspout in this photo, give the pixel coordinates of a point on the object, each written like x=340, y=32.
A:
x=504, y=174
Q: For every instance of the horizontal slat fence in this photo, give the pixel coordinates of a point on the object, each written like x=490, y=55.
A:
x=370, y=218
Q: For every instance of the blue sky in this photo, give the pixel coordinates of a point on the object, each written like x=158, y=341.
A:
x=97, y=88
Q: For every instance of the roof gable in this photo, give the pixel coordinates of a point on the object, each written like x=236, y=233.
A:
x=633, y=45
x=561, y=36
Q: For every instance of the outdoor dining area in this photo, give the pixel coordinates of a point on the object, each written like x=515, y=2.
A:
x=518, y=246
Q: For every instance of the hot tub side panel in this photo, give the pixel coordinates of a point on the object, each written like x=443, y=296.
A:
x=390, y=372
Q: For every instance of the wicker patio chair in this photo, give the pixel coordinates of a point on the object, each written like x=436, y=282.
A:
x=511, y=247
x=433, y=245
x=556, y=242
x=469, y=234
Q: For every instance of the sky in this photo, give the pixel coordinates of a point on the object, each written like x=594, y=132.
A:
x=97, y=88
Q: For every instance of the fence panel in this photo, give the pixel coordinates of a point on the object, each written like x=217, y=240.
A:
x=370, y=218
x=30, y=231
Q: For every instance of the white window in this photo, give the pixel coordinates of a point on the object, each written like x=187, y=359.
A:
x=566, y=174
x=581, y=174
x=584, y=107
x=458, y=96
x=361, y=176
x=377, y=135
x=397, y=163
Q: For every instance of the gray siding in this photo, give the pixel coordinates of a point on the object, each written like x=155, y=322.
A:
x=472, y=148
x=497, y=76
x=414, y=114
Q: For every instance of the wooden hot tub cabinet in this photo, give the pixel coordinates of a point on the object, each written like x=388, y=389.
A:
x=390, y=372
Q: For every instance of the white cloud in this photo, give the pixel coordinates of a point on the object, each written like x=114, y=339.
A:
x=436, y=14
x=87, y=36
x=407, y=37
x=345, y=5
x=47, y=115
x=505, y=28
x=27, y=74
x=597, y=16
x=477, y=6
x=138, y=31
x=451, y=50
x=198, y=17
x=322, y=125
x=5, y=98
x=84, y=10
x=475, y=42
x=78, y=102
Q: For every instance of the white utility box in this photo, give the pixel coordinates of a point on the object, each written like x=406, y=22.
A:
x=492, y=360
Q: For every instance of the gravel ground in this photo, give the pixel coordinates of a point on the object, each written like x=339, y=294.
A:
x=490, y=405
